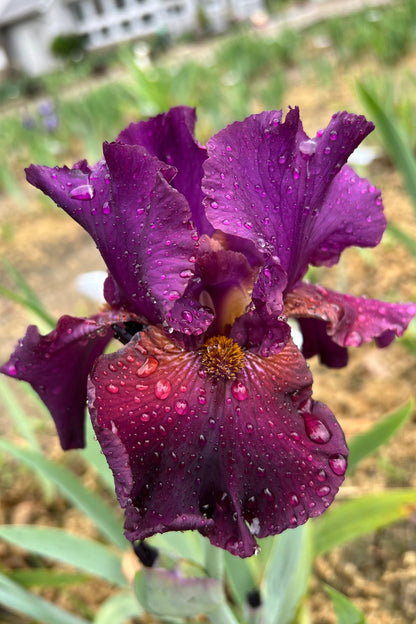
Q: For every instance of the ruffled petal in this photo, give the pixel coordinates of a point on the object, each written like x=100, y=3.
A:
x=170, y=137
x=350, y=321
x=57, y=366
x=265, y=180
x=141, y=225
x=234, y=459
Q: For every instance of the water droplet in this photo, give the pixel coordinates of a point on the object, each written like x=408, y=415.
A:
x=173, y=295
x=338, y=464
x=106, y=208
x=82, y=192
x=316, y=430
x=282, y=159
x=187, y=273
x=181, y=407
x=250, y=427
x=148, y=367
x=333, y=135
x=214, y=205
x=162, y=389
x=239, y=391
x=11, y=370
x=145, y=417
x=293, y=499
x=112, y=389
x=187, y=316
x=323, y=490
x=307, y=148
x=321, y=475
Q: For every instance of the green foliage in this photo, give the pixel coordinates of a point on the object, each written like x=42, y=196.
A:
x=68, y=46
x=363, y=444
x=346, y=611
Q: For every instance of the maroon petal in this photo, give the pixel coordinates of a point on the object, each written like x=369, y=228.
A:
x=317, y=342
x=233, y=458
x=351, y=321
x=139, y=222
x=57, y=366
x=170, y=137
x=265, y=180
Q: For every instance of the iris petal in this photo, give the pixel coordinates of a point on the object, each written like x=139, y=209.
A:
x=170, y=137
x=57, y=366
x=234, y=459
x=267, y=181
x=140, y=224
x=351, y=321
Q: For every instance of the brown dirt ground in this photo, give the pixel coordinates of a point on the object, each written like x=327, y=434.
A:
x=378, y=572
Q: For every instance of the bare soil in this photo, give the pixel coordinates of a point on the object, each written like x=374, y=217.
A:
x=377, y=572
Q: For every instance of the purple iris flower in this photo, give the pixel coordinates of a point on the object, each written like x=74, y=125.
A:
x=206, y=415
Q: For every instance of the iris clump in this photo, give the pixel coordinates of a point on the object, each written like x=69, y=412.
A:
x=205, y=413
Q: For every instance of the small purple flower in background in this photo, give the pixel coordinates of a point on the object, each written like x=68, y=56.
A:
x=48, y=115
x=206, y=415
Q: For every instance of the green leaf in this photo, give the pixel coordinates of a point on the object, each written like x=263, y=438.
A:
x=348, y=520
x=167, y=594
x=46, y=577
x=93, y=454
x=364, y=444
x=407, y=241
x=393, y=136
x=71, y=487
x=22, y=421
x=14, y=597
x=346, y=611
x=25, y=295
x=71, y=549
x=286, y=575
x=240, y=577
x=117, y=609
x=185, y=545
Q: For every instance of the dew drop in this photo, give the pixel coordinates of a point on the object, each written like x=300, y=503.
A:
x=112, y=389
x=181, y=407
x=106, y=208
x=323, y=490
x=293, y=499
x=162, y=389
x=82, y=192
x=148, y=367
x=145, y=417
x=333, y=135
x=307, y=148
x=316, y=430
x=239, y=391
x=338, y=464
x=187, y=316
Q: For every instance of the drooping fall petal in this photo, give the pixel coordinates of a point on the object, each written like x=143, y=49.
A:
x=233, y=458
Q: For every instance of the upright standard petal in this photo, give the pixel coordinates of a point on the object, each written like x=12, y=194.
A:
x=57, y=367
x=235, y=457
x=267, y=181
x=350, y=321
x=141, y=225
x=170, y=137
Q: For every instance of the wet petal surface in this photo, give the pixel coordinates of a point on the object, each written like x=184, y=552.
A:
x=267, y=181
x=351, y=321
x=140, y=224
x=57, y=366
x=236, y=459
x=170, y=137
